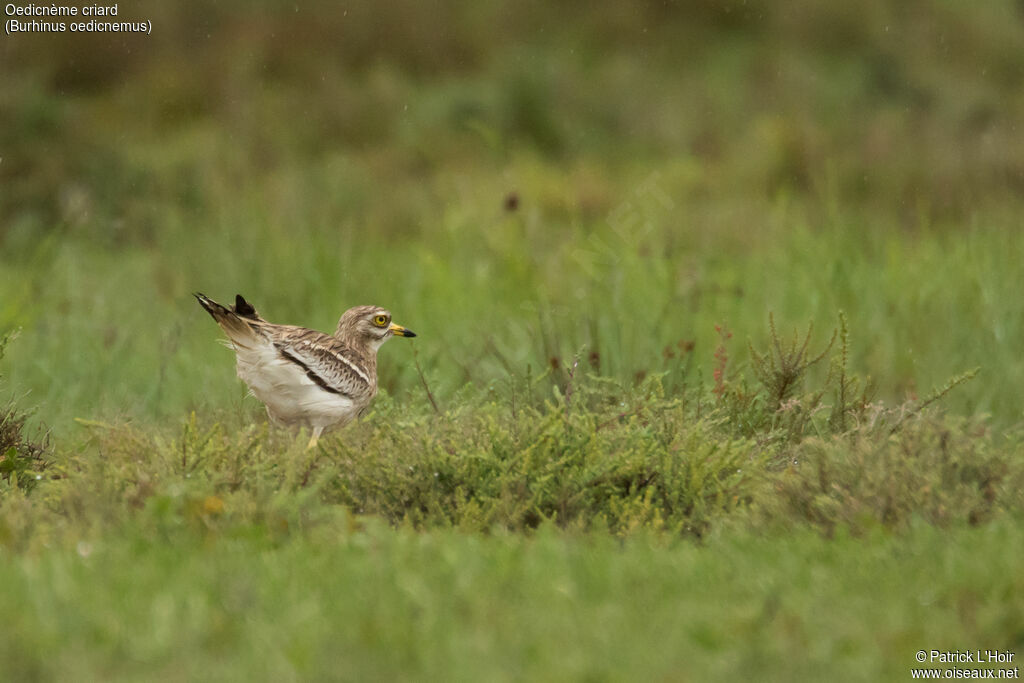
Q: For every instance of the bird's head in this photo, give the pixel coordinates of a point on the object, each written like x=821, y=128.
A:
x=369, y=326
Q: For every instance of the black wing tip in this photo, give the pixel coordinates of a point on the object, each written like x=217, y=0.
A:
x=244, y=308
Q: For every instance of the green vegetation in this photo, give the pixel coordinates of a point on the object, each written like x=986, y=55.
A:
x=718, y=369
x=381, y=604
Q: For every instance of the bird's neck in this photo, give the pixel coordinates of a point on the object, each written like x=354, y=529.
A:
x=369, y=359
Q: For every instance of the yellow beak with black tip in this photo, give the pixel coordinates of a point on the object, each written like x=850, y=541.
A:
x=400, y=331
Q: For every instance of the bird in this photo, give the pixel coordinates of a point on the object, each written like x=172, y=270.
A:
x=304, y=377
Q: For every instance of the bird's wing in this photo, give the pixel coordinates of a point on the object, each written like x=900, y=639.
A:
x=244, y=309
x=328, y=362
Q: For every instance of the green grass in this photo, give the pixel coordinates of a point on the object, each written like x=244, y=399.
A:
x=605, y=224
x=496, y=296
x=381, y=604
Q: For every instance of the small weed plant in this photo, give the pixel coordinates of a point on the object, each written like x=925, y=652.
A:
x=21, y=458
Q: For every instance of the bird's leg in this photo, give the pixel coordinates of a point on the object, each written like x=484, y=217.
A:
x=313, y=440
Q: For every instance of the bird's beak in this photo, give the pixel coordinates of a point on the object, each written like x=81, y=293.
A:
x=400, y=331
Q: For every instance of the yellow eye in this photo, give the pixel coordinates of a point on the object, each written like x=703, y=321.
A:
x=380, y=320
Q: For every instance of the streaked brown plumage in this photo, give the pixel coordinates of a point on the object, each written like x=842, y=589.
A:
x=303, y=376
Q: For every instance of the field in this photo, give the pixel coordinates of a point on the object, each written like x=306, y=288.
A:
x=718, y=362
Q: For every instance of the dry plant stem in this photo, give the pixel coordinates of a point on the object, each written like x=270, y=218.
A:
x=423, y=380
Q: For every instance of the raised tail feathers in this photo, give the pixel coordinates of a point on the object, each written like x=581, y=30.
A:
x=212, y=307
x=232, y=321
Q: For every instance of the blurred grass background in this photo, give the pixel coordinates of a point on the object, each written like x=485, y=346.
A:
x=399, y=605
x=518, y=182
